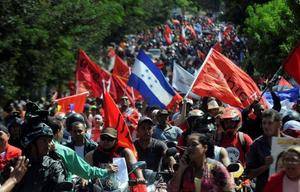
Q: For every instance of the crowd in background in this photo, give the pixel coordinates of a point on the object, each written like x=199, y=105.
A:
x=194, y=145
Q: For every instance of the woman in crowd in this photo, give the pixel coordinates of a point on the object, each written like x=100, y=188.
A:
x=196, y=172
x=287, y=180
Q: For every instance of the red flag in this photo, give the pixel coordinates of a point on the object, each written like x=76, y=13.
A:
x=114, y=119
x=192, y=31
x=89, y=76
x=221, y=78
x=292, y=64
x=167, y=35
x=217, y=47
x=72, y=103
x=122, y=89
x=121, y=69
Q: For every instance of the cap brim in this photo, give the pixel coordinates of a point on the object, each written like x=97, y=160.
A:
x=110, y=135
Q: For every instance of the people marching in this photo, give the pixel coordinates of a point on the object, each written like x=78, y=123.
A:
x=131, y=130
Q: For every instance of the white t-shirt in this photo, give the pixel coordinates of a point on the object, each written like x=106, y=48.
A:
x=79, y=151
x=290, y=186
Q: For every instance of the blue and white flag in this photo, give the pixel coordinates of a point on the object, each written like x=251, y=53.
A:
x=151, y=83
x=287, y=98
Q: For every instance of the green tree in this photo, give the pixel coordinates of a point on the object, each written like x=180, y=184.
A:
x=272, y=31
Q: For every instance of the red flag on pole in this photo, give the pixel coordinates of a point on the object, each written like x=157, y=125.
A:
x=292, y=64
x=121, y=69
x=221, y=78
x=72, y=103
x=167, y=34
x=90, y=76
x=114, y=119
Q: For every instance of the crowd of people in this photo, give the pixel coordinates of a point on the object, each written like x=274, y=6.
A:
x=205, y=145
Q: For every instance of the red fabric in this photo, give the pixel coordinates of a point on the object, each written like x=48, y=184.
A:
x=285, y=83
x=89, y=76
x=192, y=31
x=77, y=101
x=235, y=142
x=275, y=183
x=167, y=34
x=217, y=47
x=11, y=152
x=292, y=64
x=95, y=134
x=176, y=22
x=111, y=52
x=174, y=102
x=123, y=89
x=121, y=69
x=114, y=119
x=131, y=118
x=222, y=79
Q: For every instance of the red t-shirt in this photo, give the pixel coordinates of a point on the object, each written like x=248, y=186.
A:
x=10, y=153
x=234, y=147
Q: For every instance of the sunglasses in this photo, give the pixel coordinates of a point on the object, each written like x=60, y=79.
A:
x=107, y=138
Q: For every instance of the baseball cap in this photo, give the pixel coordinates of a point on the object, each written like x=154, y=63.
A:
x=4, y=128
x=111, y=132
x=144, y=119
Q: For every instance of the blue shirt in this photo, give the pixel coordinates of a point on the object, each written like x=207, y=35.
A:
x=171, y=133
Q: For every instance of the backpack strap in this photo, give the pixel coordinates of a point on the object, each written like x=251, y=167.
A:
x=242, y=141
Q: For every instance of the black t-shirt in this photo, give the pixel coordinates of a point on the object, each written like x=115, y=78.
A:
x=153, y=154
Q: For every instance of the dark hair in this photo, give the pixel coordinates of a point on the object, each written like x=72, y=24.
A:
x=206, y=139
x=273, y=114
x=55, y=125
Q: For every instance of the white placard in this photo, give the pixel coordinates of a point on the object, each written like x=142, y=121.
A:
x=122, y=174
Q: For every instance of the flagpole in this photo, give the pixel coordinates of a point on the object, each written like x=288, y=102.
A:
x=273, y=79
x=204, y=62
x=103, y=83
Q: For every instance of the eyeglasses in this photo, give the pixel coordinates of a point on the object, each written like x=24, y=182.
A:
x=107, y=138
x=291, y=160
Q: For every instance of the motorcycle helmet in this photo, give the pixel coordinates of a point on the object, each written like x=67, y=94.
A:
x=232, y=114
x=72, y=118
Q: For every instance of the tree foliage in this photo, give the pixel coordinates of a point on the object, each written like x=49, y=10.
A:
x=39, y=38
x=273, y=30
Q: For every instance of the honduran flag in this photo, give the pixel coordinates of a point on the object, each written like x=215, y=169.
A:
x=151, y=83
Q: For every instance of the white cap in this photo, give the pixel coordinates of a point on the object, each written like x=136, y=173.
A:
x=292, y=124
x=212, y=105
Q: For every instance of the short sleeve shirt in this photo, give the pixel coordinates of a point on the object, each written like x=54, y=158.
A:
x=235, y=149
x=215, y=178
x=256, y=158
x=153, y=154
x=171, y=133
